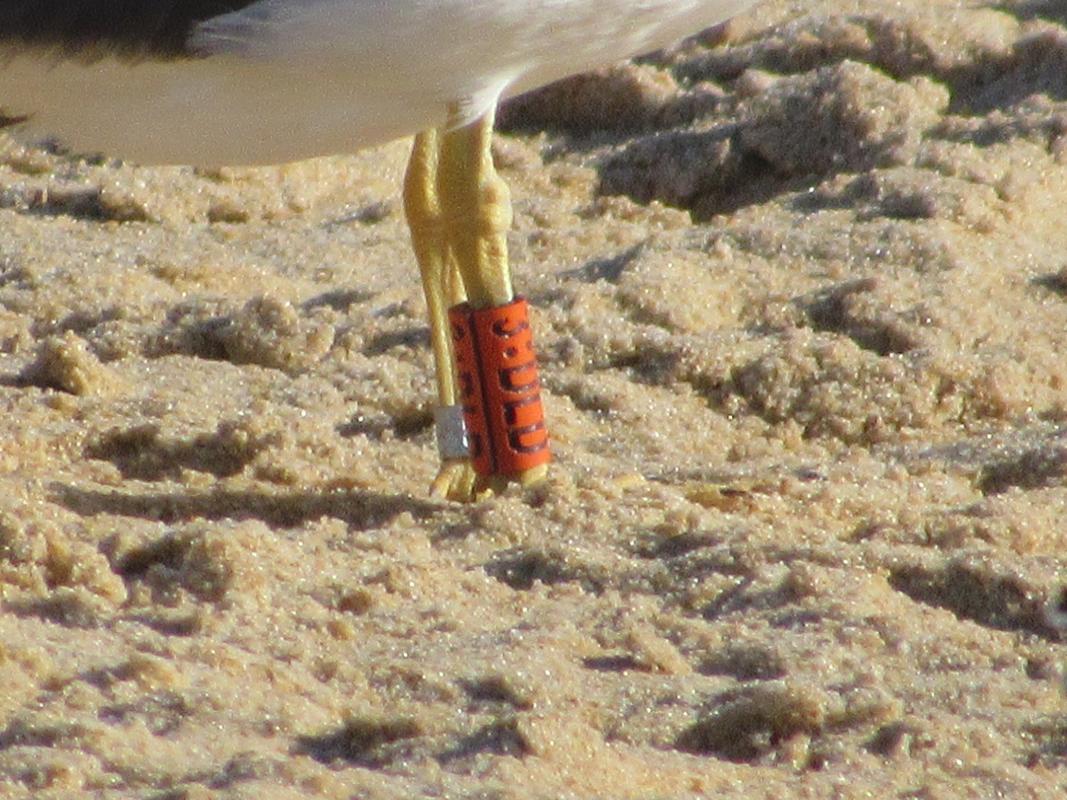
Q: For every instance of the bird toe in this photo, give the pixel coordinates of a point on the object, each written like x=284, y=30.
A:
x=456, y=480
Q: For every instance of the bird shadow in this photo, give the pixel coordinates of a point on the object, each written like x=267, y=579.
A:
x=358, y=508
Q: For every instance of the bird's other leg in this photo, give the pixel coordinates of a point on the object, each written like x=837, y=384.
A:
x=442, y=287
x=476, y=206
x=476, y=209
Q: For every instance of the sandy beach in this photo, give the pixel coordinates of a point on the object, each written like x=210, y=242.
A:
x=799, y=288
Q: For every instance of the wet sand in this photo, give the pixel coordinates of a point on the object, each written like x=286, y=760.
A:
x=800, y=295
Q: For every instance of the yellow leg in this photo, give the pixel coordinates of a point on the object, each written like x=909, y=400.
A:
x=476, y=206
x=476, y=211
x=442, y=287
x=459, y=210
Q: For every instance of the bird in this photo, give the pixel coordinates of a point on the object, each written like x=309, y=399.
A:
x=253, y=82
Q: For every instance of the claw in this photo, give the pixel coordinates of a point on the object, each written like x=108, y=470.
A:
x=457, y=481
x=532, y=476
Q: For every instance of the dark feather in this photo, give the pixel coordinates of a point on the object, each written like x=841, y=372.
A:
x=6, y=120
x=89, y=29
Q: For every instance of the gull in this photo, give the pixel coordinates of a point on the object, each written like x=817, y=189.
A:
x=246, y=82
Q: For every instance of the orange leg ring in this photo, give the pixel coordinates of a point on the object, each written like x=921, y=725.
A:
x=499, y=387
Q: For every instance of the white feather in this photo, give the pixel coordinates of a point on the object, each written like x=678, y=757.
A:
x=288, y=79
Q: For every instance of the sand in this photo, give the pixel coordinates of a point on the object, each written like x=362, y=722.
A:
x=800, y=293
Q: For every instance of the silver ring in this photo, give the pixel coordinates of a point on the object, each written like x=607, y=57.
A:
x=451, y=433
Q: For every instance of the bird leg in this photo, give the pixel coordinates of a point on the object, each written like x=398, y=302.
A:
x=476, y=211
x=442, y=286
x=459, y=210
x=475, y=208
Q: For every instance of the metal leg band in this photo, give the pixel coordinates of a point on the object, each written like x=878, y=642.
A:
x=451, y=433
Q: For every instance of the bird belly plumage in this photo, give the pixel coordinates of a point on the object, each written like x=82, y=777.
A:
x=280, y=80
